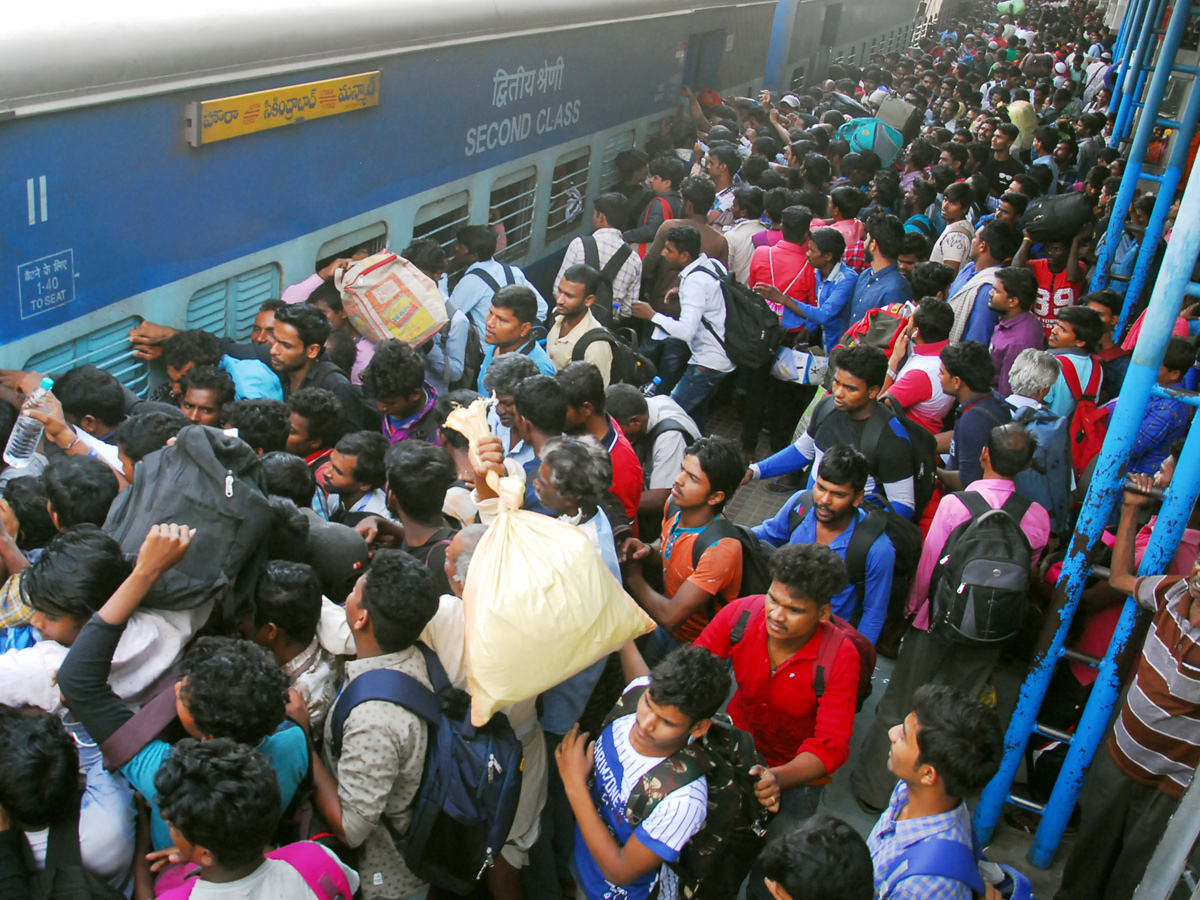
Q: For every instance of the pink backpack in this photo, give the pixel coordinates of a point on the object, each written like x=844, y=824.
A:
x=320, y=871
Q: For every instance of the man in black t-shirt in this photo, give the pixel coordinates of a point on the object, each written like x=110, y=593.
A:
x=1000, y=169
x=852, y=415
x=967, y=375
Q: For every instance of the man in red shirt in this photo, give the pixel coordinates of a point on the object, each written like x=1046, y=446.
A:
x=774, y=643
x=584, y=387
x=1059, y=277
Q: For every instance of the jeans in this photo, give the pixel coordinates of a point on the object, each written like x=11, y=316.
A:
x=694, y=390
x=671, y=356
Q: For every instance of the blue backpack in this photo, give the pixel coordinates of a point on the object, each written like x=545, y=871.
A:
x=465, y=807
x=1048, y=479
x=953, y=859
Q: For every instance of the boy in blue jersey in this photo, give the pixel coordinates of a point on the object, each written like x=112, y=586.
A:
x=614, y=859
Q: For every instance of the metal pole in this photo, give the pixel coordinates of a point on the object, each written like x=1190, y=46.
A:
x=1173, y=278
x=1141, y=139
x=1162, y=205
x=1131, y=87
x=775, y=76
x=1170, y=856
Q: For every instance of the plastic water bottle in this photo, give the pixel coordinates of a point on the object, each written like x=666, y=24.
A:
x=649, y=390
x=27, y=431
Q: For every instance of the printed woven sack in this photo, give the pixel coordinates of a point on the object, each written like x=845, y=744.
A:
x=386, y=296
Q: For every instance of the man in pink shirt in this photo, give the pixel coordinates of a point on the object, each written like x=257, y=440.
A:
x=916, y=382
x=924, y=659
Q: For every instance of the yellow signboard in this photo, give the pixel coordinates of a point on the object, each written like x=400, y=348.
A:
x=209, y=121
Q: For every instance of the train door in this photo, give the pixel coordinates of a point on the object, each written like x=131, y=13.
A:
x=702, y=64
x=829, y=30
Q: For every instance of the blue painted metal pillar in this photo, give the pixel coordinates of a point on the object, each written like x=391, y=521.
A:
x=1130, y=28
x=1141, y=142
x=775, y=77
x=1140, y=382
x=1133, y=83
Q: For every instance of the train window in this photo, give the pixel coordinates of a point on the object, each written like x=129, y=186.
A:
x=439, y=221
x=228, y=308
x=568, y=193
x=371, y=239
x=511, y=208
x=609, y=176
x=107, y=347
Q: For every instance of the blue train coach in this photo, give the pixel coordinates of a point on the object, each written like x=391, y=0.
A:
x=182, y=163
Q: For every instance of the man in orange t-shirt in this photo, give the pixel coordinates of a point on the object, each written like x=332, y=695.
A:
x=693, y=588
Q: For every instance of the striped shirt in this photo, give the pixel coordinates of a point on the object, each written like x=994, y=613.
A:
x=1156, y=740
x=672, y=822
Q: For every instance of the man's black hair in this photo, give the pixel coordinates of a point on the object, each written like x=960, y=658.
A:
x=76, y=573
x=829, y=240
x=396, y=370
x=959, y=192
x=288, y=596
x=843, y=464
x=960, y=737
x=887, y=231
x=145, y=432
x=934, y=319
x=80, y=490
x=328, y=295
x=698, y=192
x=26, y=496
x=287, y=475
x=727, y=155
x=1086, y=322
x=1009, y=130
x=1003, y=240
x=749, y=200
x=809, y=570
x=670, y=168
x=209, y=378
x=507, y=371
x=192, y=346
x=1019, y=282
x=1180, y=355
x=321, y=409
x=816, y=167
x=90, y=391
x=418, y=476
x=848, y=201
x=1011, y=449
x=629, y=161
x=614, y=207
x=368, y=449
x=583, y=383
x=341, y=350
x=521, y=300
x=686, y=240
x=821, y=858
x=310, y=323
x=263, y=424
x=957, y=152
x=463, y=397
x=583, y=274
x=480, y=241
x=249, y=713
x=869, y=364
x=400, y=596
x=722, y=462
x=972, y=362
x=916, y=245
x=692, y=680
x=795, y=223
x=220, y=795
x=273, y=305
x=543, y=401
x=1106, y=297
x=39, y=768
x=624, y=401
x=426, y=254
x=928, y=278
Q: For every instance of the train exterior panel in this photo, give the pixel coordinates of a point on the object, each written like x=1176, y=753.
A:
x=114, y=216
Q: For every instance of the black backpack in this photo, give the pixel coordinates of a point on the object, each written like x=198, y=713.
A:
x=979, y=590
x=629, y=365
x=472, y=356
x=866, y=533
x=471, y=783
x=211, y=481
x=756, y=554
x=717, y=859
x=602, y=308
x=922, y=446
x=752, y=329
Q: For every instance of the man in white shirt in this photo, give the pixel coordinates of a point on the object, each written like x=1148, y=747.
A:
x=609, y=211
x=747, y=214
x=701, y=322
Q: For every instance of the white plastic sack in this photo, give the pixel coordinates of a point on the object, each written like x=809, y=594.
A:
x=800, y=364
x=386, y=296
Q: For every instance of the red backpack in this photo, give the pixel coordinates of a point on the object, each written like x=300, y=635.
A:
x=833, y=633
x=1089, y=422
x=878, y=328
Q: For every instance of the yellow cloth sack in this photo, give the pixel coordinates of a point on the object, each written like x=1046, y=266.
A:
x=540, y=606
